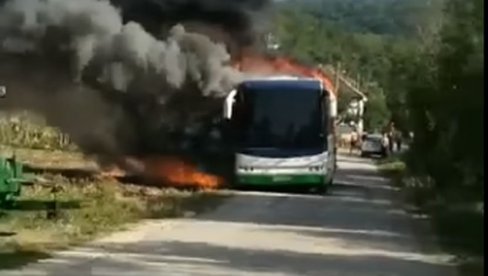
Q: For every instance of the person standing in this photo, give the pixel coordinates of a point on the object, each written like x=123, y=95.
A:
x=389, y=136
x=353, y=142
x=391, y=131
x=398, y=141
x=384, y=144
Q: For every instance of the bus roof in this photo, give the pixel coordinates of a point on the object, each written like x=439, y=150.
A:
x=279, y=82
x=276, y=77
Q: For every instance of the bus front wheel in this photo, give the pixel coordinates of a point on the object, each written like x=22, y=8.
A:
x=323, y=189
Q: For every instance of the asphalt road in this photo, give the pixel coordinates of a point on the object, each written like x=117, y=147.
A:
x=357, y=230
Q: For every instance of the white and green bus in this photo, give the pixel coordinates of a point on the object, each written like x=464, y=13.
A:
x=282, y=129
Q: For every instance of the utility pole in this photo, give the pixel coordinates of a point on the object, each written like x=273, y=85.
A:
x=337, y=80
x=360, y=124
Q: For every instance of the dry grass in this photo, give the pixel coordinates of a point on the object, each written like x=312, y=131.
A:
x=87, y=210
x=393, y=167
x=26, y=130
x=36, y=144
x=48, y=158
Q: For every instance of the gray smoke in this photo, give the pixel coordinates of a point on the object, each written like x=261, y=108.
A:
x=96, y=37
x=107, y=82
x=237, y=22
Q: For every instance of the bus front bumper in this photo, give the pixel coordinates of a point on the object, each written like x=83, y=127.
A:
x=282, y=179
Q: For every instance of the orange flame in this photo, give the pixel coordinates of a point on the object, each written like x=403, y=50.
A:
x=169, y=171
x=176, y=172
x=278, y=66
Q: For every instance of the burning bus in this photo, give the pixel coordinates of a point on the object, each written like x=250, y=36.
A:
x=282, y=132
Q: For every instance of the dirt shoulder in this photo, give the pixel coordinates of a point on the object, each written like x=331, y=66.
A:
x=57, y=212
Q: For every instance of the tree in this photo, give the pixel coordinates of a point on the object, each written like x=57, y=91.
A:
x=445, y=97
x=376, y=115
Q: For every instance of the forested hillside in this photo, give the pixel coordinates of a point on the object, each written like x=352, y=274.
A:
x=421, y=63
x=376, y=16
x=368, y=38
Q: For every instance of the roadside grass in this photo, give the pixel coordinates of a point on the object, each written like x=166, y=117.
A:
x=459, y=230
x=393, y=167
x=48, y=158
x=87, y=209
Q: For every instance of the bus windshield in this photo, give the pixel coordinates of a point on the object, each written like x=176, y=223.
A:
x=281, y=118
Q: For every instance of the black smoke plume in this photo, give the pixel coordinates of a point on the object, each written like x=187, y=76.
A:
x=120, y=76
x=239, y=22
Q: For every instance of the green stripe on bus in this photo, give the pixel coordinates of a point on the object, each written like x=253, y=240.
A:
x=292, y=179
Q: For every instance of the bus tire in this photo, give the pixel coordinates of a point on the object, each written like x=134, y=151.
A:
x=236, y=186
x=239, y=186
x=323, y=189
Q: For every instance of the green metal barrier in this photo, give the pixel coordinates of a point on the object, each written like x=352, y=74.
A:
x=11, y=180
